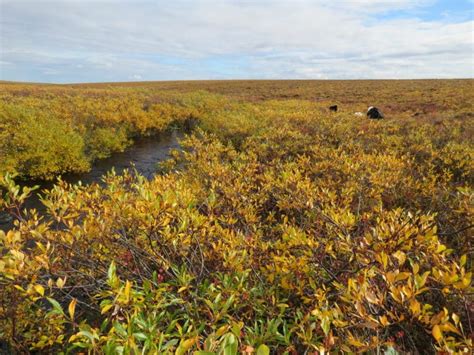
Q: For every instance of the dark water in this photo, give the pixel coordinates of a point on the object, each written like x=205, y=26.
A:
x=144, y=156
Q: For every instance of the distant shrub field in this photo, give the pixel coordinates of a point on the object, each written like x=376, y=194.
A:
x=278, y=227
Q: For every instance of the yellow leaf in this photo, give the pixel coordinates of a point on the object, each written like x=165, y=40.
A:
x=355, y=342
x=396, y=293
x=60, y=282
x=222, y=330
x=390, y=277
x=39, y=289
x=185, y=346
x=360, y=309
x=19, y=288
x=72, y=308
x=285, y=284
x=402, y=276
x=415, y=268
x=384, y=321
x=466, y=281
x=415, y=307
x=401, y=257
x=126, y=292
x=448, y=327
x=106, y=308
x=437, y=333
x=383, y=259
x=407, y=291
x=370, y=296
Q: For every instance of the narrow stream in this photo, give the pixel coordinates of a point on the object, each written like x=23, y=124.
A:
x=144, y=156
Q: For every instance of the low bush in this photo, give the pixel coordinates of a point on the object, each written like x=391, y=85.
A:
x=275, y=228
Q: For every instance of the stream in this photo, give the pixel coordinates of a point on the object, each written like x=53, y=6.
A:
x=144, y=155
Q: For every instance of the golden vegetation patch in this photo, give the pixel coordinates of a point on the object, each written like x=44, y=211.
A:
x=278, y=227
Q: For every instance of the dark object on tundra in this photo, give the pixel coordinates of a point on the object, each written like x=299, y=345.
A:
x=374, y=113
x=333, y=108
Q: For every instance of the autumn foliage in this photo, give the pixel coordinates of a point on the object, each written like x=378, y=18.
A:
x=278, y=227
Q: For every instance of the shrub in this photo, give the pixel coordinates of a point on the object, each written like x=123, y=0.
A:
x=275, y=228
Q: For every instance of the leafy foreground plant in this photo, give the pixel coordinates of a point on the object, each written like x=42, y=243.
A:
x=289, y=244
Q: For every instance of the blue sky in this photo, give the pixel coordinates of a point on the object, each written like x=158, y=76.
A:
x=64, y=41
x=451, y=11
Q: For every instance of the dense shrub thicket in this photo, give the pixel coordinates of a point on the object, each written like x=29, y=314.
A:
x=48, y=131
x=276, y=228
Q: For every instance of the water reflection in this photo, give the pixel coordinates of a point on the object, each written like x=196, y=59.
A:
x=144, y=155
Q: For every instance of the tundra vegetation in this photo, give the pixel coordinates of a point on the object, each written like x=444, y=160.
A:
x=278, y=227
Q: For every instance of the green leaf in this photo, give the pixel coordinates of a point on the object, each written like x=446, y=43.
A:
x=140, y=336
x=231, y=345
x=120, y=329
x=325, y=325
x=112, y=278
x=111, y=271
x=230, y=349
x=170, y=344
x=390, y=351
x=57, y=309
x=88, y=335
x=263, y=350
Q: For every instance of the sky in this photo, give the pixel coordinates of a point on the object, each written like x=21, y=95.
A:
x=69, y=41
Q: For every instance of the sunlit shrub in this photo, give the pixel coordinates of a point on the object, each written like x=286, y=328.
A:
x=38, y=145
x=276, y=227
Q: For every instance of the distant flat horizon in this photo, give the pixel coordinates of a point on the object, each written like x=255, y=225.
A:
x=218, y=80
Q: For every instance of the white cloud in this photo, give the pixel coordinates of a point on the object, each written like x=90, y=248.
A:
x=260, y=38
x=379, y=5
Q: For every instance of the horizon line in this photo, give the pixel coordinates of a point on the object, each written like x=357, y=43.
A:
x=2, y=81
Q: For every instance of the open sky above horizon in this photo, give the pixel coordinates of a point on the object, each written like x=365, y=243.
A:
x=65, y=41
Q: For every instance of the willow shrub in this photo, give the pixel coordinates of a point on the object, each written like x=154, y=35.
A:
x=276, y=228
x=36, y=144
x=48, y=131
x=302, y=232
